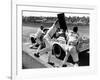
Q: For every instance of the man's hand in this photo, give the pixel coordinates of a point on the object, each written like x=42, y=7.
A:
x=56, y=22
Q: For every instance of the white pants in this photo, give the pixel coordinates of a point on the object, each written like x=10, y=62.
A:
x=71, y=50
x=48, y=48
x=38, y=40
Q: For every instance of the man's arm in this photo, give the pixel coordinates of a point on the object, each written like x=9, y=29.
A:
x=55, y=23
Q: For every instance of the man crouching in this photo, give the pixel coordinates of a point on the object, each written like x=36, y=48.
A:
x=37, y=39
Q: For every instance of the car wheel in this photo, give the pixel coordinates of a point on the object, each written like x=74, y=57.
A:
x=58, y=52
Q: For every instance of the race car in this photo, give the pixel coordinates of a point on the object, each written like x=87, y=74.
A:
x=59, y=44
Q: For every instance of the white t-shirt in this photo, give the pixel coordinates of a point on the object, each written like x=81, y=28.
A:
x=39, y=33
x=72, y=38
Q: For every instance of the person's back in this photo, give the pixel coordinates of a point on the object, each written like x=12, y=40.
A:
x=72, y=38
x=39, y=33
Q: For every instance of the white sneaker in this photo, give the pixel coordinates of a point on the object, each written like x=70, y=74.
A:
x=75, y=65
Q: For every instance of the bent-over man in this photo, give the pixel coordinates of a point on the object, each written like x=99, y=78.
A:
x=72, y=40
x=38, y=37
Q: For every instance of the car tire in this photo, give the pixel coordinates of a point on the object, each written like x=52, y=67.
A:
x=58, y=52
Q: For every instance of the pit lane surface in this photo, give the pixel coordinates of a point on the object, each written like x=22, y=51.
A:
x=83, y=57
x=30, y=61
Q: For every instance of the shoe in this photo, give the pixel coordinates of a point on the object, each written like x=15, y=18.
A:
x=36, y=55
x=51, y=63
x=76, y=65
x=31, y=47
x=64, y=65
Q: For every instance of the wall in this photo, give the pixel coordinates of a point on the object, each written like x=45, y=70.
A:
x=5, y=34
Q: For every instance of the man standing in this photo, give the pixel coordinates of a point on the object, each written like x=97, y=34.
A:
x=47, y=40
x=71, y=49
